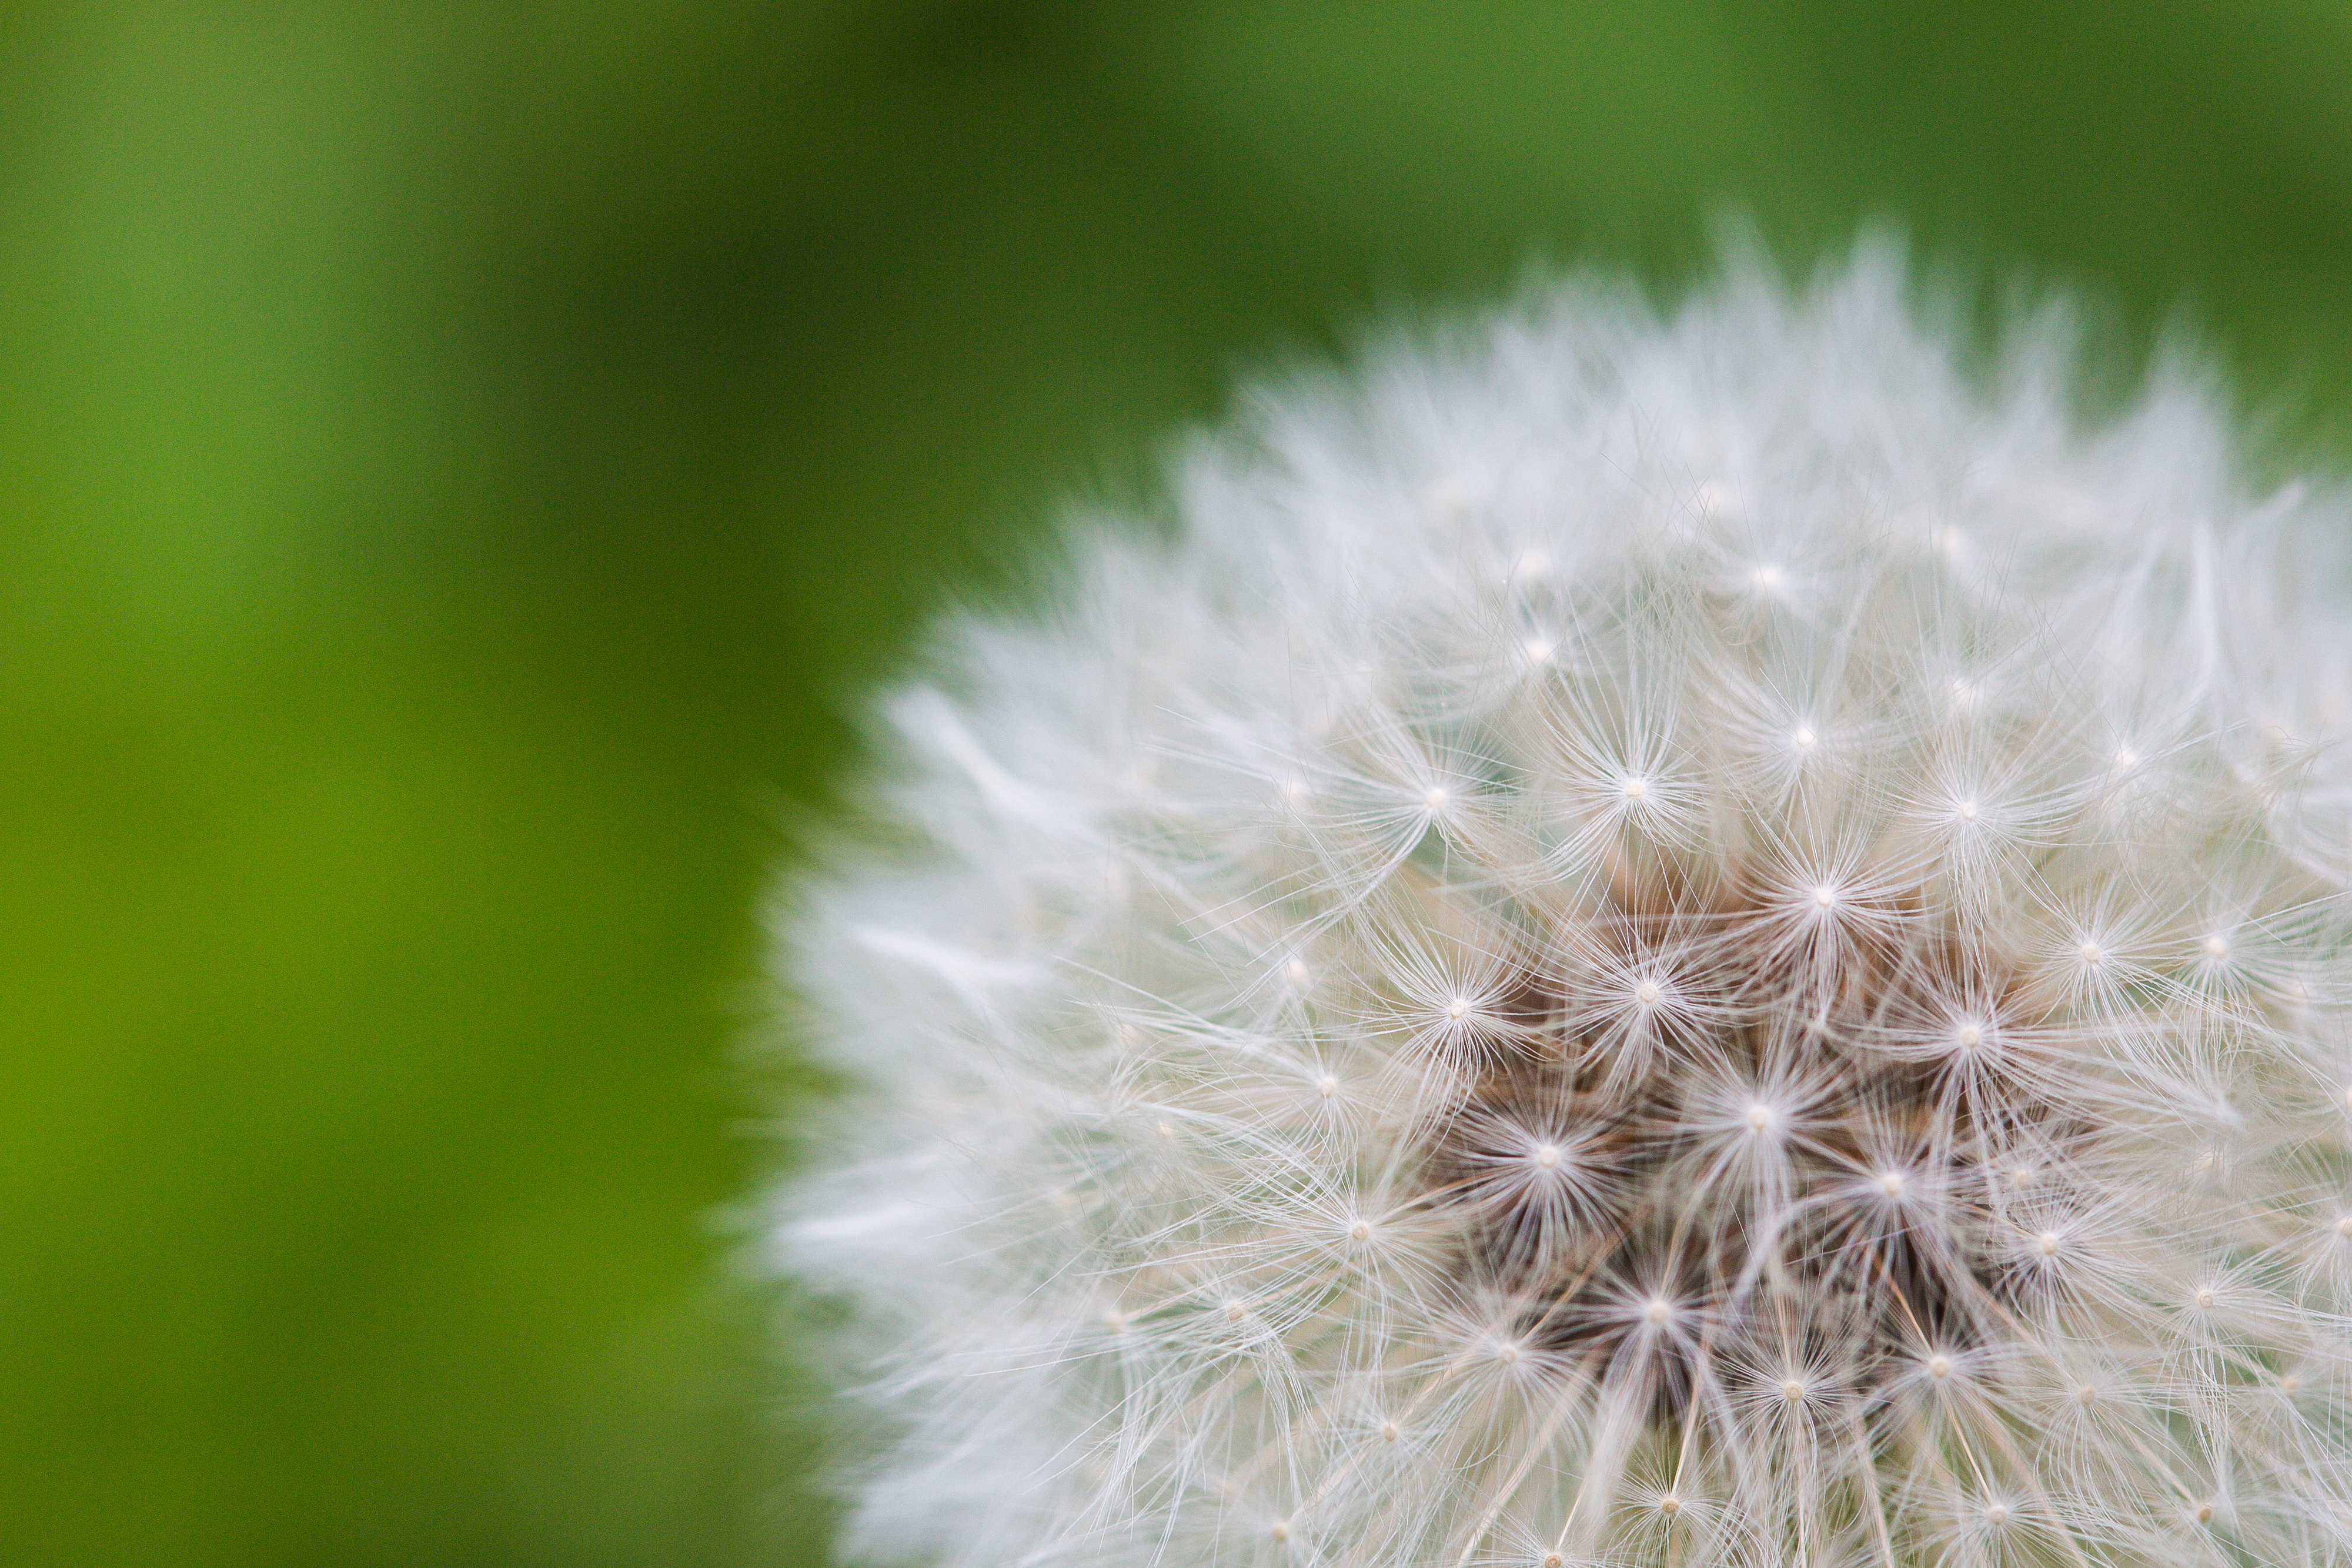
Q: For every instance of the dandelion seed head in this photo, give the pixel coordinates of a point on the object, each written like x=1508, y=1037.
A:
x=1918, y=1149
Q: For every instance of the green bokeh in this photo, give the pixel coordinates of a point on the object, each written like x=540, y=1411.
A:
x=459, y=463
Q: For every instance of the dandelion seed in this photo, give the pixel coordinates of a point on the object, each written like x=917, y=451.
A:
x=1783, y=1152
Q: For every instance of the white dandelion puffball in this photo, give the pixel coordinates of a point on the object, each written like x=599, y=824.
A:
x=1682, y=939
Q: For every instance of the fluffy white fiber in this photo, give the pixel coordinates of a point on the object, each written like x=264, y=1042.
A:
x=1676, y=939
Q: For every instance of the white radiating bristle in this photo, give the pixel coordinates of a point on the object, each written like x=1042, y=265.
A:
x=1643, y=940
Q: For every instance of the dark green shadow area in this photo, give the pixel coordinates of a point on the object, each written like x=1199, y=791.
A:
x=459, y=463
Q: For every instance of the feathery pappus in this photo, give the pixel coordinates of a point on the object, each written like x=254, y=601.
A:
x=1685, y=938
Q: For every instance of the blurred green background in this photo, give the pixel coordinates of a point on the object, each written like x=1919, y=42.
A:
x=458, y=462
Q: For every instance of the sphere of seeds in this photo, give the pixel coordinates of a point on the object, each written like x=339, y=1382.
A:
x=1686, y=940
